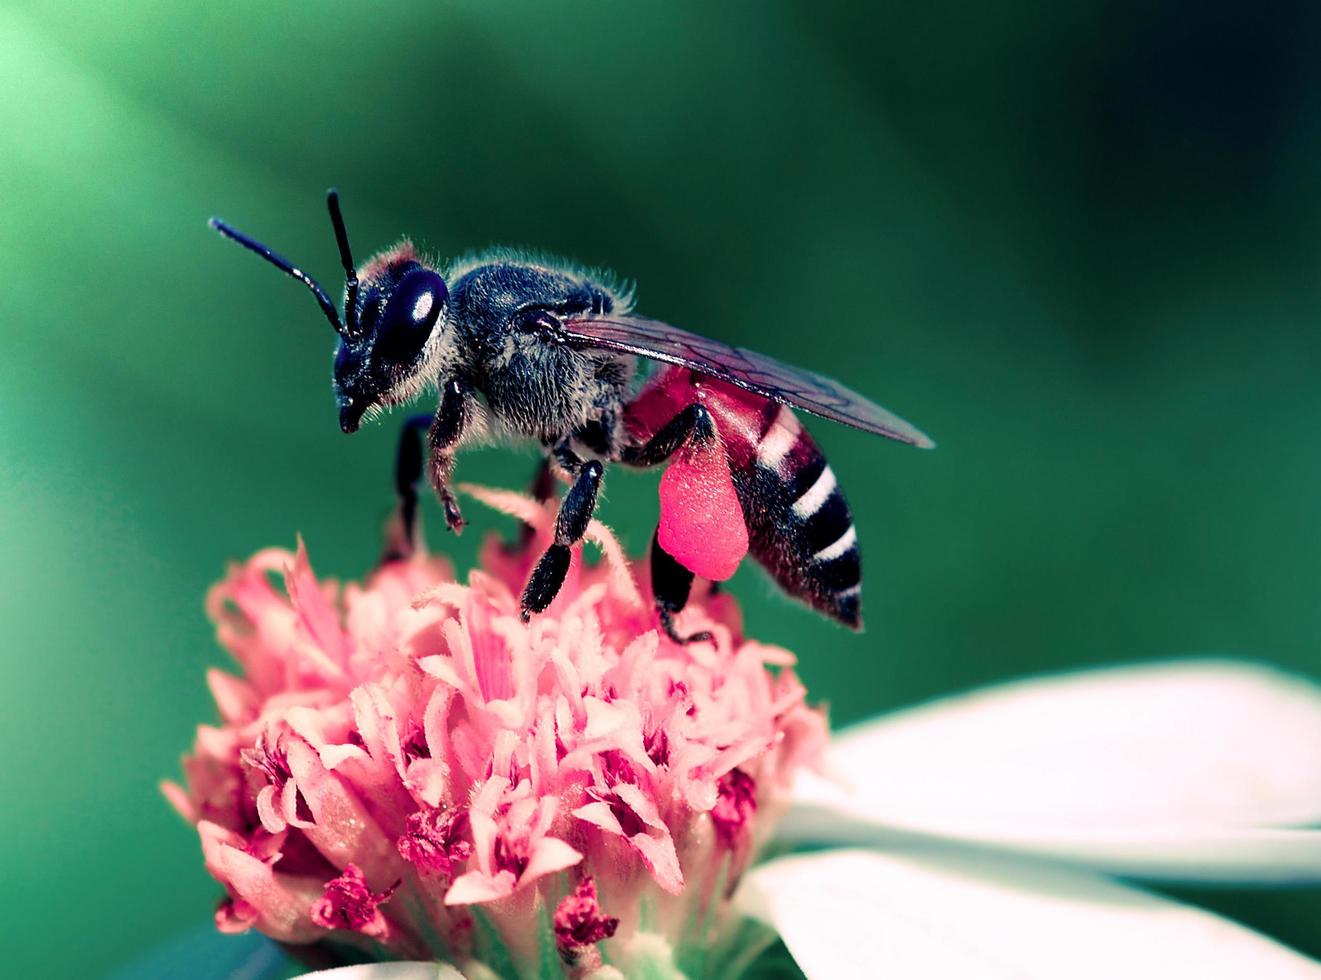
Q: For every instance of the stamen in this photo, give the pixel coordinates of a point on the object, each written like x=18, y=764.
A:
x=433, y=841
x=736, y=803
x=580, y=922
x=349, y=904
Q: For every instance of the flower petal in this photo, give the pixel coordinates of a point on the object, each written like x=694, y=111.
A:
x=1178, y=770
x=387, y=971
x=342, y=829
x=923, y=914
x=550, y=854
x=281, y=902
x=475, y=887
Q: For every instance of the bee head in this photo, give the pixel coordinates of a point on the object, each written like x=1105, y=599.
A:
x=391, y=310
x=390, y=320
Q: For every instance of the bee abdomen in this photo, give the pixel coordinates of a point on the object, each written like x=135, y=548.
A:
x=799, y=525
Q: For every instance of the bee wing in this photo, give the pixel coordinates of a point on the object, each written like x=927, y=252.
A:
x=766, y=376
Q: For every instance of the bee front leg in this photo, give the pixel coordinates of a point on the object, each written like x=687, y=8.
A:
x=442, y=439
x=570, y=525
x=401, y=537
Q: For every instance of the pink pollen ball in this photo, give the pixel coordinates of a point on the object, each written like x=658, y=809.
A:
x=701, y=521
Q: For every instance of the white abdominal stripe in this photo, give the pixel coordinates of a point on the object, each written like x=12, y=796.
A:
x=844, y=543
x=816, y=495
x=829, y=538
x=779, y=439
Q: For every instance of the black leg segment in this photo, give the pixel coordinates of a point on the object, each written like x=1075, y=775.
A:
x=579, y=502
x=402, y=534
x=570, y=525
x=542, y=489
x=543, y=484
x=670, y=585
x=445, y=433
x=546, y=580
x=694, y=423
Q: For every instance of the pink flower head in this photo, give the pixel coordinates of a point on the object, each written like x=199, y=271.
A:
x=404, y=760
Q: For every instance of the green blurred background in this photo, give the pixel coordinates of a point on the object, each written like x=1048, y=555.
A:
x=1079, y=246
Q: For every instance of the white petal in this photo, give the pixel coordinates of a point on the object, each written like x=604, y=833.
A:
x=845, y=914
x=1250, y=856
x=1177, y=770
x=388, y=971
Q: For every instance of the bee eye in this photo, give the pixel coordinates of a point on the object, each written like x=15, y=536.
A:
x=410, y=314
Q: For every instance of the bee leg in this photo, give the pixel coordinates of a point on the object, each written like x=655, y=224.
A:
x=402, y=534
x=670, y=581
x=442, y=438
x=693, y=423
x=670, y=585
x=570, y=525
x=542, y=489
x=543, y=484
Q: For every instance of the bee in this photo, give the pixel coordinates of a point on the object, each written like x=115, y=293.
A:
x=536, y=349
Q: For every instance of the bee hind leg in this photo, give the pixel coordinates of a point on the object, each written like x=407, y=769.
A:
x=670, y=586
x=694, y=423
x=570, y=525
x=671, y=582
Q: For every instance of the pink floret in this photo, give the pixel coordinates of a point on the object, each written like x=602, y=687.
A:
x=395, y=753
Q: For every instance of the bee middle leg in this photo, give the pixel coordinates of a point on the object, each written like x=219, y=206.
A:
x=543, y=483
x=570, y=525
x=541, y=490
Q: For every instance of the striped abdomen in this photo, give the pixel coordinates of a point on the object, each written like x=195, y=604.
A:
x=799, y=525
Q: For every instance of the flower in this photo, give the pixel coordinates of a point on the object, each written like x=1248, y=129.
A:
x=406, y=769
x=392, y=772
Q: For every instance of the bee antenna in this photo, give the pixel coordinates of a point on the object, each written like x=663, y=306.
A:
x=346, y=259
x=285, y=266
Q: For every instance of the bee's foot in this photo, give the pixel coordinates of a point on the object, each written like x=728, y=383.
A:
x=402, y=535
x=453, y=516
x=667, y=624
